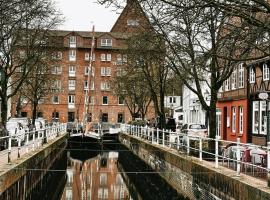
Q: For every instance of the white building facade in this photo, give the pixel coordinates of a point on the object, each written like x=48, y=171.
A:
x=192, y=108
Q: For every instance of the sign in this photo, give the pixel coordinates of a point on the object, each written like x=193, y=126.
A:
x=263, y=95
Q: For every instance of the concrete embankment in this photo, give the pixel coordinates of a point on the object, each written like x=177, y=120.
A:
x=197, y=179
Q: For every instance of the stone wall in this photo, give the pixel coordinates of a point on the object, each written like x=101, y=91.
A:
x=195, y=179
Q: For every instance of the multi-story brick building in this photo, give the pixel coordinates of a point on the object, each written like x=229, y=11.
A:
x=67, y=103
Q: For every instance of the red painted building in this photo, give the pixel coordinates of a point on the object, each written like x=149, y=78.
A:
x=232, y=107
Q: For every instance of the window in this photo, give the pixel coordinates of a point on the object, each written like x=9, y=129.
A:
x=234, y=119
x=263, y=117
x=132, y=22
x=55, y=115
x=241, y=76
x=91, y=98
x=71, y=84
x=255, y=117
x=252, y=75
x=104, y=117
x=55, y=99
x=109, y=57
x=56, y=70
x=71, y=99
x=105, y=71
x=120, y=118
x=72, y=71
x=172, y=99
x=72, y=41
x=86, y=71
x=120, y=71
x=103, y=57
x=92, y=86
x=106, y=42
x=86, y=56
x=241, y=119
x=227, y=84
x=233, y=80
x=72, y=55
x=265, y=72
x=105, y=86
x=121, y=100
x=104, y=100
x=56, y=84
x=57, y=55
x=103, y=179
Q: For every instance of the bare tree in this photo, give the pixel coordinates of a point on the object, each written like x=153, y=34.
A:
x=23, y=34
x=130, y=84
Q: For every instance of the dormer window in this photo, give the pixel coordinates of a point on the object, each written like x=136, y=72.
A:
x=132, y=22
x=72, y=41
x=106, y=42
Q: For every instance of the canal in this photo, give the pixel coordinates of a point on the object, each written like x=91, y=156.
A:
x=104, y=171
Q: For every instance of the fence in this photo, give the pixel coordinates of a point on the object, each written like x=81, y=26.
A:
x=26, y=141
x=241, y=157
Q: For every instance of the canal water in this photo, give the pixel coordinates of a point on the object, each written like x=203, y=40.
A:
x=109, y=171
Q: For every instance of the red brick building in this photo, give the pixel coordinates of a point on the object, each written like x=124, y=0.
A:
x=67, y=101
x=232, y=107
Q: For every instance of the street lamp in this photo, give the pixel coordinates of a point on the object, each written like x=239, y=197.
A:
x=264, y=96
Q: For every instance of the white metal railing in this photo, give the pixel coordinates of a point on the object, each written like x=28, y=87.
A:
x=245, y=158
x=26, y=141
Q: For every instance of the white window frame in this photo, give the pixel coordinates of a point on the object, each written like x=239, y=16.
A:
x=72, y=55
x=105, y=86
x=103, y=57
x=72, y=71
x=241, y=76
x=87, y=56
x=119, y=103
x=55, y=102
x=233, y=77
x=133, y=22
x=109, y=57
x=252, y=75
x=106, y=42
x=71, y=84
x=265, y=72
x=234, y=119
x=71, y=99
x=255, y=108
x=56, y=69
x=86, y=71
x=72, y=41
x=241, y=119
x=227, y=84
x=56, y=84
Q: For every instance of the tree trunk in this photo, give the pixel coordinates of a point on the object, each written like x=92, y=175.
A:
x=4, y=107
x=212, y=125
x=34, y=112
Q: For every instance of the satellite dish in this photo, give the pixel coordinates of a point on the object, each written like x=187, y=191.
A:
x=263, y=96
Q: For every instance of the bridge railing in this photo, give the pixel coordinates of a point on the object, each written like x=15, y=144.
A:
x=245, y=158
x=26, y=141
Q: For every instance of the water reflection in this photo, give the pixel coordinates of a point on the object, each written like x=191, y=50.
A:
x=94, y=178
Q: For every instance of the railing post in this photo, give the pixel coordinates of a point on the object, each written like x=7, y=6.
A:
x=19, y=148
x=157, y=136
x=178, y=142
x=188, y=150
x=9, y=149
x=163, y=138
x=238, y=157
x=216, y=152
x=169, y=139
x=34, y=140
x=200, y=149
x=268, y=164
x=152, y=135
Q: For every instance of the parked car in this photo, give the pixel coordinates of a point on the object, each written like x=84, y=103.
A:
x=15, y=130
x=24, y=121
x=194, y=130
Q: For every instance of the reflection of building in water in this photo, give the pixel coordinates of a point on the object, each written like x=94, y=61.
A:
x=96, y=178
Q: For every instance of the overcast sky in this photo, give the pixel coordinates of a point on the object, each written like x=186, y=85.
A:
x=80, y=13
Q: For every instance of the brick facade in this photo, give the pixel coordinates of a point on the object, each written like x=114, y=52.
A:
x=63, y=109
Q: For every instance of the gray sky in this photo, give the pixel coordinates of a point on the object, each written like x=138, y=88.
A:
x=79, y=14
